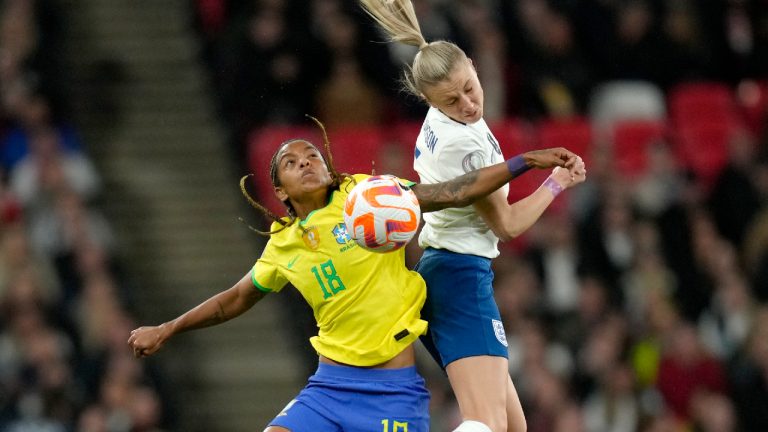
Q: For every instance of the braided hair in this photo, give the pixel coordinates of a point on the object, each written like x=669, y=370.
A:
x=336, y=180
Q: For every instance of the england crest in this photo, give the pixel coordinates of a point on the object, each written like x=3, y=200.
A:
x=498, y=330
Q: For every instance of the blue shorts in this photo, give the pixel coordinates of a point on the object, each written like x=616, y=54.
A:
x=463, y=317
x=351, y=399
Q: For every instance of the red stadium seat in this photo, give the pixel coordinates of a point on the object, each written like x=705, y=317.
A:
x=574, y=134
x=515, y=136
x=701, y=102
x=354, y=148
x=397, y=154
x=703, y=148
x=631, y=141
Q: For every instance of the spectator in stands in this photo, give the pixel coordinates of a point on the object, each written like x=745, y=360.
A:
x=725, y=324
x=749, y=376
x=267, y=75
x=346, y=96
x=556, y=77
x=735, y=198
x=606, y=243
x=48, y=169
x=687, y=369
x=34, y=115
x=613, y=405
x=638, y=47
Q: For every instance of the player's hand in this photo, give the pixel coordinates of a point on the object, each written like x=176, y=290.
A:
x=548, y=158
x=145, y=341
x=578, y=171
x=569, y=177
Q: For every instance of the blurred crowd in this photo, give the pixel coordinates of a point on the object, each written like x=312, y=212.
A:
x=64, y=302
x=275, y=60
x=638, y=302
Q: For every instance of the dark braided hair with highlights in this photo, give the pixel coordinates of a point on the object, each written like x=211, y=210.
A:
x=336, y=180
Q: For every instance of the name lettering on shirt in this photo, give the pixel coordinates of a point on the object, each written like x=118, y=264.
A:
x=430, y=139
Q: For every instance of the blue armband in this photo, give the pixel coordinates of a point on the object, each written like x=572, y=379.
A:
x=517, y=166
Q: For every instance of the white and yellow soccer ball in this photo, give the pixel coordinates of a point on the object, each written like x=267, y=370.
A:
x=382, y=214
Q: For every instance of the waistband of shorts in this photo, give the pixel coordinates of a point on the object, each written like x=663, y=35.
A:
x=367, y=374
x=435, y=252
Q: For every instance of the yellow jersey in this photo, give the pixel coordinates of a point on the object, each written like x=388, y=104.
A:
x=366, y=304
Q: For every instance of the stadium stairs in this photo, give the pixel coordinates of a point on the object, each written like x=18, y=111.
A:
x=144, y=108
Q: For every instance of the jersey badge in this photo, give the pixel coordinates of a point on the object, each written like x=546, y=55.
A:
x=311, y=237
x=473, y=161
x=341, y=234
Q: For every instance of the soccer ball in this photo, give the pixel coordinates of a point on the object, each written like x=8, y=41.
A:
x=381, y=214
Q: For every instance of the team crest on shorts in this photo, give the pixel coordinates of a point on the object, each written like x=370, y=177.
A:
x=498, y=330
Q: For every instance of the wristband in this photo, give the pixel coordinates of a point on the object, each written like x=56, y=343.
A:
x=517, y=166
x=553, y=186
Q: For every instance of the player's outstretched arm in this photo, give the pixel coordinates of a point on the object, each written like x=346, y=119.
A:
x=549, y=158
x=509, y=221
x=222, y=307
x=468, y=188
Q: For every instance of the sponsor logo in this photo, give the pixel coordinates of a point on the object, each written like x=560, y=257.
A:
x=498, y=330
x=291, y=262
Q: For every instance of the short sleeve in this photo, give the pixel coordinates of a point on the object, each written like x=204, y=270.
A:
x=266, y=276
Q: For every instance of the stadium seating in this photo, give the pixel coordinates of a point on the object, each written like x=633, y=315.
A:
x=515, y=136
x=618, y=101
x=701, y=102
x=703, y=148
x=574, y=134
x=631, y=141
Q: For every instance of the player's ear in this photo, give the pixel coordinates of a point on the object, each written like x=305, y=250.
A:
x=280, y=194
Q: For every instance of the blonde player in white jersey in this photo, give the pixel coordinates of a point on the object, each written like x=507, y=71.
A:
x=465, y=332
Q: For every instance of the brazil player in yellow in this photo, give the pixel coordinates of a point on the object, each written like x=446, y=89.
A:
x=329, y=279
x=366, y=304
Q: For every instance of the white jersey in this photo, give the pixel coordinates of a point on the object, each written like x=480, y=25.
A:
x=446, y=149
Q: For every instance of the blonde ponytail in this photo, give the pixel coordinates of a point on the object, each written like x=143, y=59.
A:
x=398, y=19
x=434, y=61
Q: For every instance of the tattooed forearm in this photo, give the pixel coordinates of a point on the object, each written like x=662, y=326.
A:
x=453, y=193
x=463, y=190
